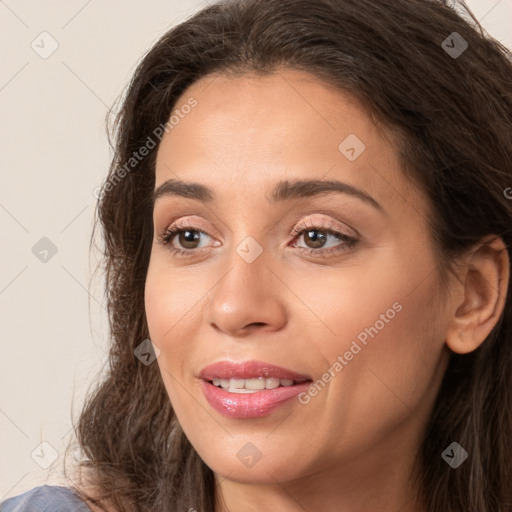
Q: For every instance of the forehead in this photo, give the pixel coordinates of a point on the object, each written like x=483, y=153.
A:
x=250, y=131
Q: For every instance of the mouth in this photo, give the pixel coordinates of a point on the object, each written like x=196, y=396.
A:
x=250, y=389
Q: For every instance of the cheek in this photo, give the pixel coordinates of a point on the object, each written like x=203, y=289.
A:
x=172, y=320
x=394, y=368
x=383, y=352
x=173, y=316
x=172, y=302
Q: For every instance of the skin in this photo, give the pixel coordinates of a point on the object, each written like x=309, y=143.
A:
x=352, y=447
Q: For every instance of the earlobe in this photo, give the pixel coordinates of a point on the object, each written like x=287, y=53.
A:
x=485, y=285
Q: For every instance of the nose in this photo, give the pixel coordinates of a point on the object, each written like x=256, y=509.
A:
x=249, y=297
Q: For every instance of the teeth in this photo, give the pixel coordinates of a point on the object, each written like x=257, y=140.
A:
x=236, y=383
x=272, y=383
x=241, y=390
x=251, y=385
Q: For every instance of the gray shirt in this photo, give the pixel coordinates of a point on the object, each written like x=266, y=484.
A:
x=45, y=498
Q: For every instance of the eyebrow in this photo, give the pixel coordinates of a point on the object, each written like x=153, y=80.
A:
x=283, y=191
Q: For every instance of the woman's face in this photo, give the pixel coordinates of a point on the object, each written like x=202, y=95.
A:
x=336, y=283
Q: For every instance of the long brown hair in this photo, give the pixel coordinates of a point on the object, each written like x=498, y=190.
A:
x=451, y=119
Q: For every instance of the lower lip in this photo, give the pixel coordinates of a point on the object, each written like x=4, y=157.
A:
x=250, y=405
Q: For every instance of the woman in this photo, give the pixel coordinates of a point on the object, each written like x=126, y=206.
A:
x=307, y=228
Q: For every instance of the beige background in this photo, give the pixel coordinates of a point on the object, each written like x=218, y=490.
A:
x=54, y=153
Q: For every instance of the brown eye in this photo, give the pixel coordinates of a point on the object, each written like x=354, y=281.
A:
x=314, y=238
x=188, y=239
x=322, y=241
x=182, y=240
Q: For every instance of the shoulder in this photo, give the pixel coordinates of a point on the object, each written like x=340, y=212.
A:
x=45, y=498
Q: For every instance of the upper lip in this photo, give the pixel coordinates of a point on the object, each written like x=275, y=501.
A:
x=248, y=370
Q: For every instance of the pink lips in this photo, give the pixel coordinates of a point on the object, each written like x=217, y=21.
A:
x=248, y=370
x=249, y=405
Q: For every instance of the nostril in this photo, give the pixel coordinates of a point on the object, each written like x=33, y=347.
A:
x=256, y=324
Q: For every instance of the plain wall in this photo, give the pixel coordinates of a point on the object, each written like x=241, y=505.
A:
x=54, y=153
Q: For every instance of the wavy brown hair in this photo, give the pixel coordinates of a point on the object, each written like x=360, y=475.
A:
x=451, y=123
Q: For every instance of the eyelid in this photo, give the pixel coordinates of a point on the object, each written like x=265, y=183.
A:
x=316, y=220
x=189, y=221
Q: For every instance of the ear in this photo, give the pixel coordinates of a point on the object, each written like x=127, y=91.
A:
x=483, y=291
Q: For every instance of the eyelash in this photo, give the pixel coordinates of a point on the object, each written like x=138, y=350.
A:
x=165, y=239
